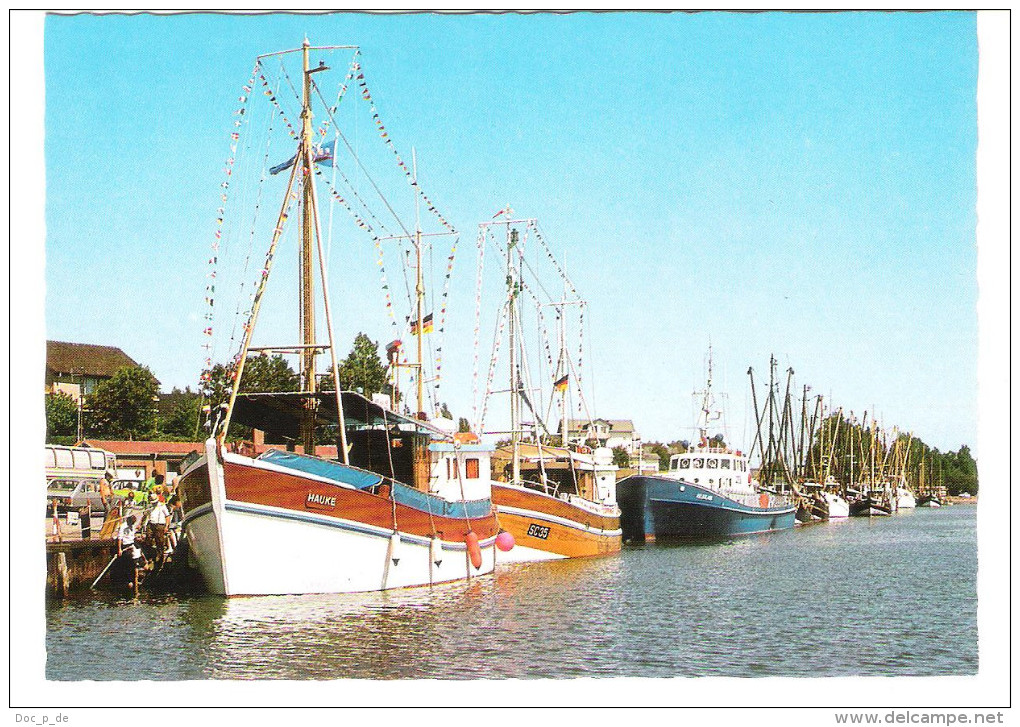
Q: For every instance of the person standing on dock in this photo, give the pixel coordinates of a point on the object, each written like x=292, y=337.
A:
x=158, y=517
x=106, y=492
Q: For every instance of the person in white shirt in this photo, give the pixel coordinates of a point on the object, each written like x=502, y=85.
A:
x=158, y=518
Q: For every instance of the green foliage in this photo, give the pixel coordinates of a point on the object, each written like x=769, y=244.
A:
x=269, y=373
x=621, y=458
x=444, y=411
x=179, y=414
x=61, y=416
x=463, y=425
x=124, y=406
x=261, y=373
x=662, y=452
x=842, y=447
x=363, y=370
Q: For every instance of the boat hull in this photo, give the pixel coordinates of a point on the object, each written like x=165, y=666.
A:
x=660, y=507
x=264, y=531
x=548, y=528
x=866, y=508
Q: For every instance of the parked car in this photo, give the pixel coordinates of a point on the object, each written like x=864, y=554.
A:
x=73, y=494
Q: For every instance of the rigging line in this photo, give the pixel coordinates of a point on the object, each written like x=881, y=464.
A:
x=368, y=176
x=480, y=244
x=497, y=340
x=267, y=135
x=354, y=191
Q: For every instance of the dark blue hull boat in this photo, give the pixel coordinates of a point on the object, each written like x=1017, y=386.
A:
x=655, y=507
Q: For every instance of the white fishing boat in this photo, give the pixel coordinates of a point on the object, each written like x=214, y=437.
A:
x=403, y=503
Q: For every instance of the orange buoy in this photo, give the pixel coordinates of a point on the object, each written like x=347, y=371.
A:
x=474, y=550
x=763, y=499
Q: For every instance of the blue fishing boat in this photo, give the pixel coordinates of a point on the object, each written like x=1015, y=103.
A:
x=707, y=492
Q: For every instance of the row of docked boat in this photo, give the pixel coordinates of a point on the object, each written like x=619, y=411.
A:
x=368, y=497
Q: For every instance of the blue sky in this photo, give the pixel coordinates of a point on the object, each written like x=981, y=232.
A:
x=802, y=185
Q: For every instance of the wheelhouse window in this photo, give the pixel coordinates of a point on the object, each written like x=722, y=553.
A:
x=471, y=468
x=698, y=463
x=713, y=463
x=685, y=463
x=724, y=463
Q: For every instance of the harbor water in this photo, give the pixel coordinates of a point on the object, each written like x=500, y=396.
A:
x=892, y=596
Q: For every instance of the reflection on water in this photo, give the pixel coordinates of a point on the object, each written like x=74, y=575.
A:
x=884, y=596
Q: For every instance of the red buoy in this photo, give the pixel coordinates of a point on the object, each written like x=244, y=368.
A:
x=505, y=541
x=474, y=550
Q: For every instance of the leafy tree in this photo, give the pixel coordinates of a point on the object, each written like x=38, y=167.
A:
x=179, y=413
x=61, y=416
x=444, y=411
x=261, y=373
x=269, y=373
x=621, y=458
x=463, y=425
x=363, y=370
x=662, y=452
x=124, y=405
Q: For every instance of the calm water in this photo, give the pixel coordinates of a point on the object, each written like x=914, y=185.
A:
x=889, y=596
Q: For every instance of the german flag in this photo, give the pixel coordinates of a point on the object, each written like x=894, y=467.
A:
x=426, y=325
x=561, y=384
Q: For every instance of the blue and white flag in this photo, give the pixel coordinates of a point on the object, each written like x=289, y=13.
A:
x=320, y=155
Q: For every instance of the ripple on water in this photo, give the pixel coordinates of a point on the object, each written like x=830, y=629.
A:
x=889, y=596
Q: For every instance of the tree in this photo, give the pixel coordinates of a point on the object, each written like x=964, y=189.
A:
x=662, y=452
x=61, y=416
x=463, y=425
x=261, y=373
x=363, y=370
x=124, y=406
x=179, y=413
x=444, y=411
x=621, y=458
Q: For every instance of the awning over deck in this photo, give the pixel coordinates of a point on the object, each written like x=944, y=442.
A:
x=281, y=413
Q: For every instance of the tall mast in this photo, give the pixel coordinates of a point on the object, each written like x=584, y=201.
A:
x=564, y=371
x=307, y=276
x=419, y=287
x=514, y=386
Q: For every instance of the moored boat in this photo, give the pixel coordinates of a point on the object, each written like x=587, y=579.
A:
x=562, y=506
x=403, y=503
x=556, y=501
x=706, y=493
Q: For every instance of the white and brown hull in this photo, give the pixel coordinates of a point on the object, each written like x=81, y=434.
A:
x=254, y=528
x=547, y=528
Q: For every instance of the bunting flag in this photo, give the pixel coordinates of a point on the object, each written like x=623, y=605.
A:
x=210, y=290
x=561, y=383
x=384, y=135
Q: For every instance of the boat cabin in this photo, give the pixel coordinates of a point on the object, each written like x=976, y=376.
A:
x=714, y=467
x=378, y=440
x=560, y=472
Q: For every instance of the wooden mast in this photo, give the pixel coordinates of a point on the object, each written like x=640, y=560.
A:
x=307, y=278
x=515, y=391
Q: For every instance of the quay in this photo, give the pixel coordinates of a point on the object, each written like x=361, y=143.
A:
x=72, y=565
